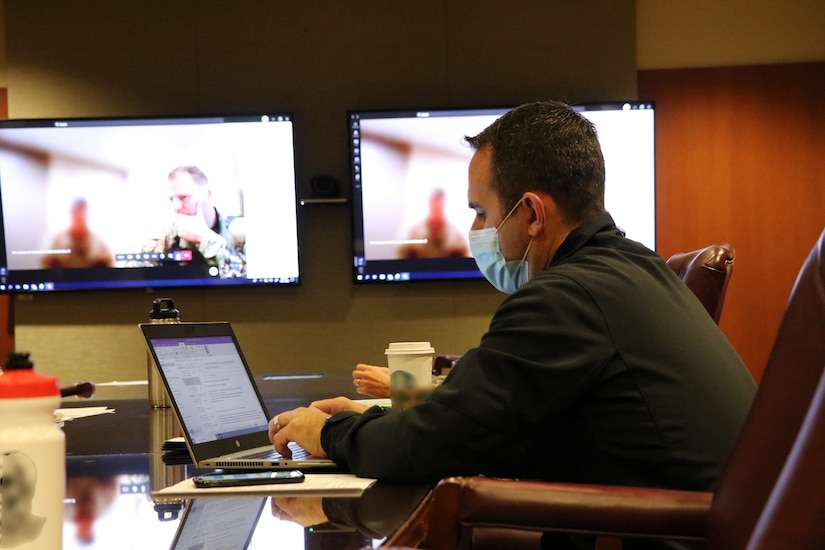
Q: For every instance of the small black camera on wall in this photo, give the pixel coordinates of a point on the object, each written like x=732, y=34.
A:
x=324, y=187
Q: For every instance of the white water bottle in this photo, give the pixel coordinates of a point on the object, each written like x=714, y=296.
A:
x=32, y=458
x=163, y=311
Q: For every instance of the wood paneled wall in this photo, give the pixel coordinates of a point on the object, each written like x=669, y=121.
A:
x=6, y=307
x=741, y=158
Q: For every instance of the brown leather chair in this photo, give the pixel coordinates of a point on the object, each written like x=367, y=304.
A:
x=763, y=493
x=706, y=272
x=786, y=520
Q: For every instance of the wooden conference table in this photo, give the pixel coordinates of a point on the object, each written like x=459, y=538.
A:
x=114, y=461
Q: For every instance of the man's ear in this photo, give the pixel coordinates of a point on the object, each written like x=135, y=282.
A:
x=538, y=211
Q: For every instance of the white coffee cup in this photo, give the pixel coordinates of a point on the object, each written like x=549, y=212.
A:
x=411, y=372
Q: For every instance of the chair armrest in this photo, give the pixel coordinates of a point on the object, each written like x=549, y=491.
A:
x=459, y=503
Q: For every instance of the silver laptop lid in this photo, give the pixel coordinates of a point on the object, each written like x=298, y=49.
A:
x=210, y=386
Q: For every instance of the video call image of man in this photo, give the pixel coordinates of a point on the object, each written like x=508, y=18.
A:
x=600, y=366
x=78, y=246
x=199, y=234
x=18, y=481
x=435, y=236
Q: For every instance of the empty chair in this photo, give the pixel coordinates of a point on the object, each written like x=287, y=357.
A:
x=706, y=272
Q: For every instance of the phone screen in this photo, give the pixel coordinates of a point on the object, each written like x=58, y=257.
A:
x=248, y=478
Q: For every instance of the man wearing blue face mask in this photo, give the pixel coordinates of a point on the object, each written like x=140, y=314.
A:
x=600, y=367
x=506, y=276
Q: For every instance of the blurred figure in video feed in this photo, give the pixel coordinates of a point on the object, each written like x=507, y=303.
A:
x=78, y=246
x=435, y=236
x=93, y=497
x=199, y=234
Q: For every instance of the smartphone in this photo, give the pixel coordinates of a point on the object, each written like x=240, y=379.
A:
x=248, y=478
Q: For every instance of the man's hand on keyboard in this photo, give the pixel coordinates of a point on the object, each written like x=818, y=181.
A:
x=303, y=426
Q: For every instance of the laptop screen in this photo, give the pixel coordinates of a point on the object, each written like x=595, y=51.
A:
x=211, y=387
x=218, y=523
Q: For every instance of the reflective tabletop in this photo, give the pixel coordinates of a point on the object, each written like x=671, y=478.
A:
x=116, y=460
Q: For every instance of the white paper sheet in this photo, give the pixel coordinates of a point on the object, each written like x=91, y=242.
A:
x=71, y=413
x=313, y=484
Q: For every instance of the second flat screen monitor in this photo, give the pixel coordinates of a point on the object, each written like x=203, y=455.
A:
x=409, y=186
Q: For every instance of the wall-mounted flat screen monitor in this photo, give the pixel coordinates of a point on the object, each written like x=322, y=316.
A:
x=109, y=203
x=409, y=185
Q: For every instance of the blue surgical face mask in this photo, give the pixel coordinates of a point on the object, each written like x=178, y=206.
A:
x=485, y=247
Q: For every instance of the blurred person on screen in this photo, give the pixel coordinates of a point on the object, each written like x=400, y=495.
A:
x=199, y=234
x=93, y=498
x=435, y=236
x=77, y=245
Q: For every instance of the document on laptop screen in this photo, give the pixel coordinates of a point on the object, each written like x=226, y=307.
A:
x=218, y=523
x=211, y=387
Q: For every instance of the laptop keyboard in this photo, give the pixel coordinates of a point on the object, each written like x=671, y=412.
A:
x=272, y=454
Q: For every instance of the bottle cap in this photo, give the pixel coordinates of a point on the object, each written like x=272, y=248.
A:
x=21, y=380
x=164, y=308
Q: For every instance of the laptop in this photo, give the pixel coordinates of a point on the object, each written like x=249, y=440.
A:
x=218, y=523
x=224, y=419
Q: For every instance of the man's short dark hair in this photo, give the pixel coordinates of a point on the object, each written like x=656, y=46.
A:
x=546, y=146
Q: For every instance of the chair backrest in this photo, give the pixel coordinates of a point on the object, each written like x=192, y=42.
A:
x=794, y=368
x=706, y=272
x=792, y=518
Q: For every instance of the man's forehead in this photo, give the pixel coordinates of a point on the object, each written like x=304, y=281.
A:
x=184, y=185
x=183, y=179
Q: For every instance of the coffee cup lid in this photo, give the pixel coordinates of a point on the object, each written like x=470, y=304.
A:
x=409, y=348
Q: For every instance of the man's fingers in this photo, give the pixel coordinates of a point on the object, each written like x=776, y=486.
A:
x=280, y=442
x=276, y=424
x=302, y=426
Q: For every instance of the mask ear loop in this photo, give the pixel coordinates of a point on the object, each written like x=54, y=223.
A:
x=523, y=258
x=526, y=250
x=510, y=213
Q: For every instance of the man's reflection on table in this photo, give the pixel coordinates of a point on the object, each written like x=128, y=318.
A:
x=377, y=513
x=93, y=497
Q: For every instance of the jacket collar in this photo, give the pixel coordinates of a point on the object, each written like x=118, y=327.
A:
x=583, y=234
